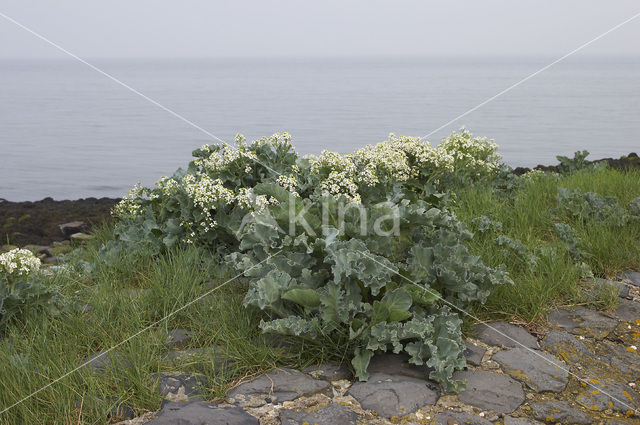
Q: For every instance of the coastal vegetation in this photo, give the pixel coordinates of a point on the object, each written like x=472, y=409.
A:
x=271, y=259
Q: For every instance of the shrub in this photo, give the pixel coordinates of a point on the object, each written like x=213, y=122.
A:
x=21, y=289
x=367, y=252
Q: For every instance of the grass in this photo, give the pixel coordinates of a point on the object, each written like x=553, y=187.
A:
x=529, y=215
x=136, y=291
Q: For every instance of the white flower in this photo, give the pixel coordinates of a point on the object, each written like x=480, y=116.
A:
x=19, y=263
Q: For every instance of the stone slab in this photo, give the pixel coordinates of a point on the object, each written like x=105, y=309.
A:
x=491, y=391
x=559, y=412
x=201, y=413
x=393, y=395
x=506, y=335
x=582, y=321
x=332, y=414
x=540, y=371
x=474, y=353
x=566, y=346
x=275, y=387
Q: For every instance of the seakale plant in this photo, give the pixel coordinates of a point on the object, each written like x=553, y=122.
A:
x=364, y=280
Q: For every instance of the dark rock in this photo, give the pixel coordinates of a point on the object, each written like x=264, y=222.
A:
x=628, y=310
x=396, y=364
x=540, y=371
x=492, y=391
x=566, y=346
x=582, y=321
x=393, y=395
x=505, y=335
x=623, y=289
x=559, y=412
x=181, y=386
x=278, y=385
x=329, y=372
x=460, y=418
x=631, y=277
x=52, y=260
x=201, y=413
x=330, y=415
x=508, y=420
x=178, y=338
x=624, y=359
x=69, y=229
x=600, y=396
x=122, y=412
x=474, y=353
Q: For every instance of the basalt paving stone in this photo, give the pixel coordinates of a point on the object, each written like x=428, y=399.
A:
x=508, y=420
x=609, y=395
x=460, y=418
x=492, y=391
x=329, y=372
x=582, y=321
x=201, y=413
x=559, y=412
x=566, y=346
x=540, y=371
x=622, y=288
x=506, y=335
x=181, y=386
x=393, y=395
x=474, y=353
x=333, y=414
x=275, y=387
x=624, y=358
x=628, y=311
x=631, y=277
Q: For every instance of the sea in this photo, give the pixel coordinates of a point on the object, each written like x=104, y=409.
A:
x=68, y=131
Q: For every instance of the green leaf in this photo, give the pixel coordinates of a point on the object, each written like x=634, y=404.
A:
x=360, y=363
x=305, y=297
x=423, y=296
x=398, y=303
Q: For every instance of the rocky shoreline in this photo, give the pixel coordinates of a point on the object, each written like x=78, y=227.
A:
x=38, y=222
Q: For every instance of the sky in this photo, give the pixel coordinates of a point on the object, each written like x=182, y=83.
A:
x=212, y=28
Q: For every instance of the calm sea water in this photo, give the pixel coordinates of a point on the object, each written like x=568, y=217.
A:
x=68, y=132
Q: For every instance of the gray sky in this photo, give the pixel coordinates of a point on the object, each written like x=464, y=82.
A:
x=211, y=28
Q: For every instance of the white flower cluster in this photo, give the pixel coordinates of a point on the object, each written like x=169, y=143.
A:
x=252, y=202
x=288, y=182
x=206, y=193
x=421, y=153
x=19, y=263
x=381, y=159
x=341, y=174
x=476, y=154
x=276, y=141
x=167, y=185
x=129, y=206
x=225, y=155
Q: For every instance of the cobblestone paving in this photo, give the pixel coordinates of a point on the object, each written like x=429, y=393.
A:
x=585, y=369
